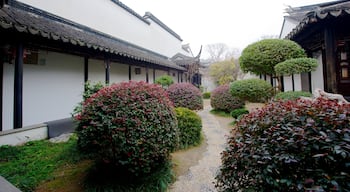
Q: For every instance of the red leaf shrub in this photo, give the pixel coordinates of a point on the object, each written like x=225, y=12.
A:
x=296, y=145
x=222, y=99
x=130, y=124
x=185, y=95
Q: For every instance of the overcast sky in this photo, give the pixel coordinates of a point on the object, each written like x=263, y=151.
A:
x=236, y=23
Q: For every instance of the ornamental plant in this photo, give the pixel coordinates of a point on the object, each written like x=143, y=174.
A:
x=164, y=81
x=296, y=65
x=237, y=113
x=185, y=95
x=253, y=90
x=295, y=145
x=129, y=124
x=221, y=99
x=190, y=127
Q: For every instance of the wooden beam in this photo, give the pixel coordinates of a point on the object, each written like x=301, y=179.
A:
x=18, y=88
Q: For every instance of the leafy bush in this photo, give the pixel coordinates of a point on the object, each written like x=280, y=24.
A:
x=290, y=95
x=164, y=81
x=236, y=113
x=89, y=89
x=296, y=145
x=296, y=65
x=130, y=124
x=222, y=99
x=185, y=95
x=206, y=95
x=190, y=127
x=253, y=90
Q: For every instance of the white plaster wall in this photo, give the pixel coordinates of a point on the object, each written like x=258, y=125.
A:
x=142, y=76
x=287, y=26
x=50, y=91
x=97, y=71
x=288, y=85
x=118, y=73
x=20, y=136
x=8, y=97
x=317, y=76
x=113, y=20
x=297, y=82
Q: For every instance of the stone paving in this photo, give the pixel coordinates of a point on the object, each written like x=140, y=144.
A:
x=201, y=177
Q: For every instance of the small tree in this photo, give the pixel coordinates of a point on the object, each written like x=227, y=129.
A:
x=164, y=81
x=261, y=57
x=295, y=66
x=224, y=72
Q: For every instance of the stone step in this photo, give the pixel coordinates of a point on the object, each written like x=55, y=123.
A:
x=6, y=186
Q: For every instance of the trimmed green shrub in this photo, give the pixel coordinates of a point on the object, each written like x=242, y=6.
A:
x=89, y=89
x=190, y=127
x=206, y=95
x=253, y=90
x=164, y=80
x=295, y=145
x=290, y=95
x=222, y=99
x=296, y=65
x=236, y=113
x=129, y=124
x=185, y=95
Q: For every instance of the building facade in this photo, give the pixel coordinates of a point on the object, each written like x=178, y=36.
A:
x=49, y=49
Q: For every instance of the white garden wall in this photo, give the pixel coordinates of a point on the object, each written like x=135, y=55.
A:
x=317, y=76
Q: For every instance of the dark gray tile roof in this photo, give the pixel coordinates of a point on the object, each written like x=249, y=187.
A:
x=312, y=14
x=26, y=19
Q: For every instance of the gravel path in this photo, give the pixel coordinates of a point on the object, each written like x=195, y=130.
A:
x=201, y=177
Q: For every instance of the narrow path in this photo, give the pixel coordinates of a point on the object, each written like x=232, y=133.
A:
x=201, y=177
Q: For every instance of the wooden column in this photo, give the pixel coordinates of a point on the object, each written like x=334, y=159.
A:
x=86, y=69
x=147, y=80
x=293, y=86
x=107, y=70
x=182, y=77
x=154, y=75
x=129, y=72
x=18, y=88
x=330, y=60
x=1, y=87
x=178, y=76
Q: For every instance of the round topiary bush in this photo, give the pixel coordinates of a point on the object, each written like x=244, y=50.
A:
x=222, y=99
x=185, y=95
x=164, y=81
x=190, y=127
x=253, y=90
x=296, y=145
x=206, y=95
x=290, y=95
x=129, y=124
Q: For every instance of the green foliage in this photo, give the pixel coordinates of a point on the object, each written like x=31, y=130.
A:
x=236, y=113
x=91, y=88
x=253, y=90
x=290, y=95
x=28, y=165
x=190, y=127
x=220, y=113
x=295, y=66
x=295, y=145
x=129, y=124
x=262, y=56
x=222, y=99
x=111, y=178
x=223, y=72
x=164, y=80
x=185, y=95
x=206, y=95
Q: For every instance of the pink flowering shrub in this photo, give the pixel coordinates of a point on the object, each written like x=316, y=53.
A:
x=295, y=145
x=185, y=95
x=129, y=124
x=222, y=99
